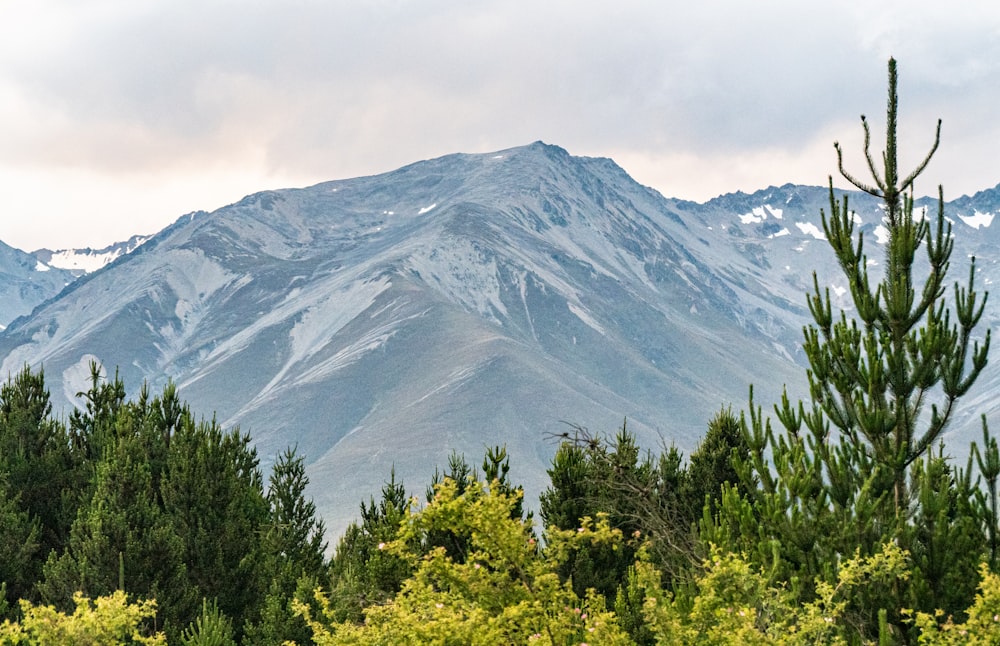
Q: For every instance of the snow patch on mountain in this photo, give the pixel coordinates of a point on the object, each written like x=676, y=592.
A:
x=811, y=229
x=85, y=261
x=41, y=266
x=760, y=213
x=81, y=261
x=977, y=219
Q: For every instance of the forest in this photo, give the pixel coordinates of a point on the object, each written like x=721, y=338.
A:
x=840, y=520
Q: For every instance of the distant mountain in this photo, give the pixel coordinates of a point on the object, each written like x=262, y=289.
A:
x=466, y=301
x=84, y=261
x=29, y=279
x=26, y=282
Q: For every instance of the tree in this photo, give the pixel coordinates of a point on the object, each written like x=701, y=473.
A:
x=873, y=381
x=661, y=499
x=504, y=591
x=123, y=540
x=293, y=532
x=712, y=465
x=90, y=428
x=42, y=476
x=855, y=468
x=362, y=572
x=589, y=476
x=210, y=628
x=735, y=602
x=293, y=549
x=18, y=549
x=213, y=493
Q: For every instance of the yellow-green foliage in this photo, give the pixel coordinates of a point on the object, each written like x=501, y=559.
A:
x=735, y=604
x=980, y=628
x=505, y=591
x=105, y=621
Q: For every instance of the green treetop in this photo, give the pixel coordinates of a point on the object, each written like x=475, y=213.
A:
x=872, y=377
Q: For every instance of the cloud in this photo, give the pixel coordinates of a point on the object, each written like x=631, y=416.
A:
x=711, y=95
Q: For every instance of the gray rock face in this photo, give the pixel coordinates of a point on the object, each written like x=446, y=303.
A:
x=468, y=301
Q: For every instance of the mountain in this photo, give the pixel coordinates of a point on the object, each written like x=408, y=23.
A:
x=382, y=322
x=25, y=282
x=84, y=261
x=29, y=279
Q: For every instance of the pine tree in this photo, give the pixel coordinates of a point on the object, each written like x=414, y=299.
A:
x=873, y=377
x=854, y=468
x=590, y=476
x=122, y=538
x=90, y=428
x=211, y=628
x=41, y=477
x=712, y=465
x=213, y=493
x=293, y=549
x=362, y=572
x=18, y=550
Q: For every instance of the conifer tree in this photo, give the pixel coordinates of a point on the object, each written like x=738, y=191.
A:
x=213, y=493
x=90, y=428
x=855, y=468
x=293, y=547
x=18, y=550
x=640, y=495
x=362, y=572
x=37, y=467
x=710, y=466
x=873, y=377
x=122, y=538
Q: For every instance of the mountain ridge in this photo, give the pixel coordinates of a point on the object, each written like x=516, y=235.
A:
x=382, y=322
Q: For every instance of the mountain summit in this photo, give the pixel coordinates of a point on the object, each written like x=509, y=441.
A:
x=458, y=303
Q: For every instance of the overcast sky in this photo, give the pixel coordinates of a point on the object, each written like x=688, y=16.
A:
x=119, y=116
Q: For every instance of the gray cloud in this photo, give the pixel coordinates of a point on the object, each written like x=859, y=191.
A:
x=735, y=93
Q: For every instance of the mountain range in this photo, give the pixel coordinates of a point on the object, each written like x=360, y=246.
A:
x=382, y=322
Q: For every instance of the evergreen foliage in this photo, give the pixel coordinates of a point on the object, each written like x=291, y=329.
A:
x=39, y=480
x=213, y=491
x=362, y=573
x=294, y=551
x=19, y=546
x=660, y=498
x=855, y=468
x=210, y=628
x=136, y=496
x=122, y=528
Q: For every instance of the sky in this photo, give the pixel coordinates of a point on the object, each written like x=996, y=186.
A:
x=117, y=117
